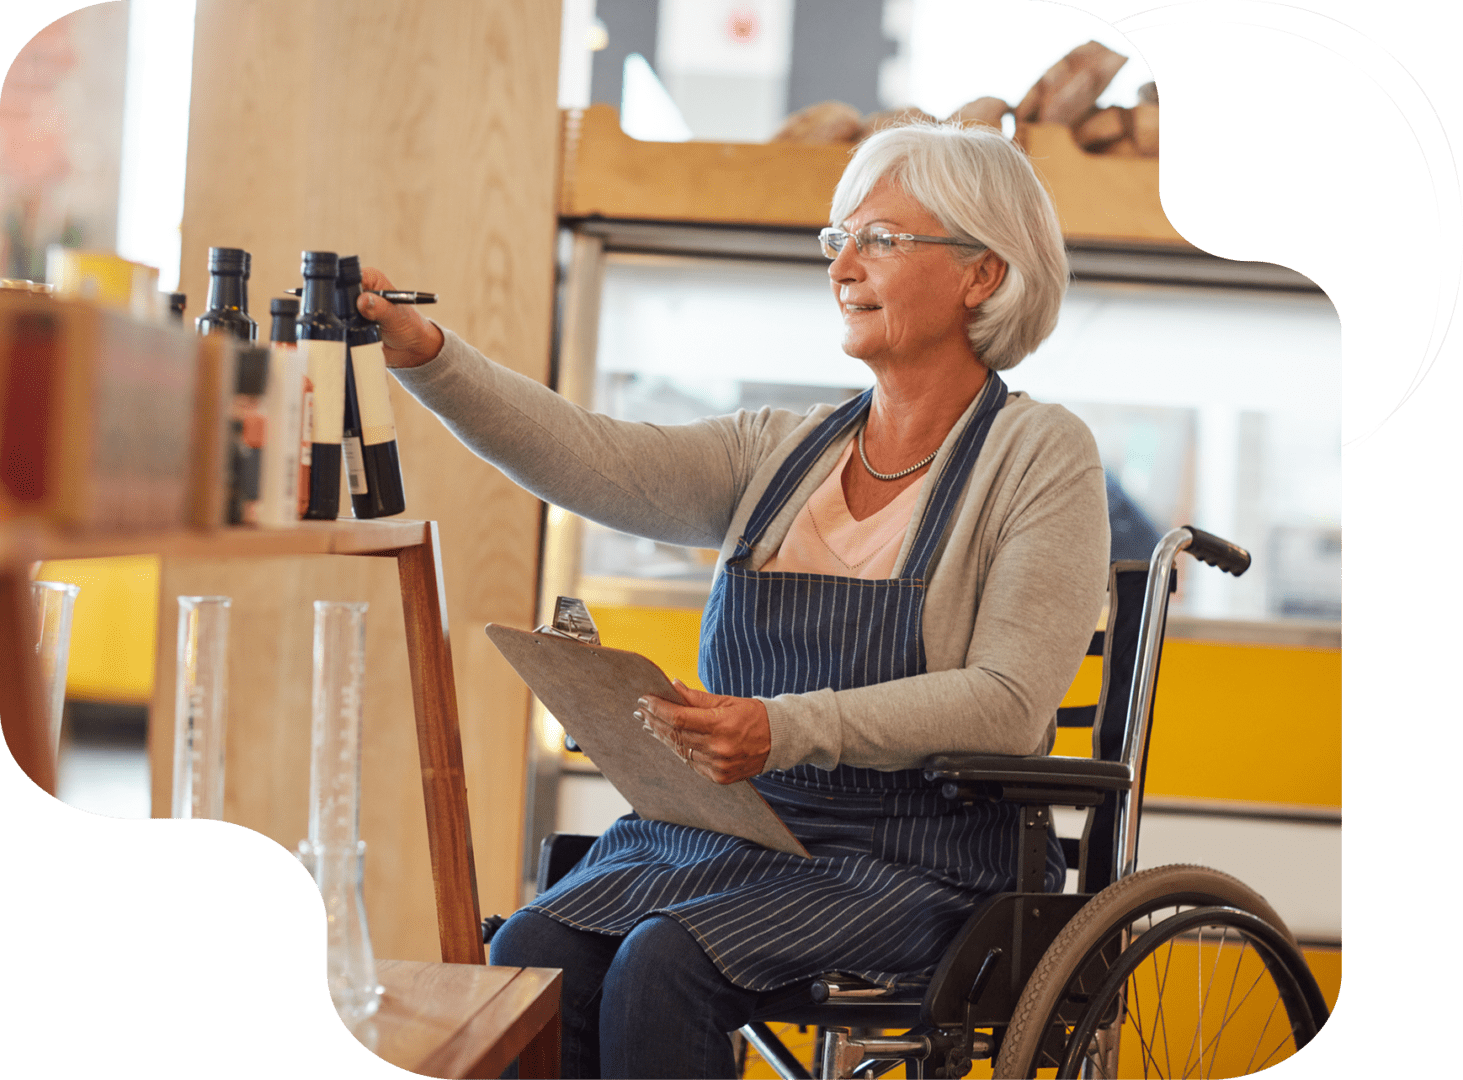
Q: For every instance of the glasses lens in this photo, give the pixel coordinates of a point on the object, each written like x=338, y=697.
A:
x=876, y=242
x=832, y=241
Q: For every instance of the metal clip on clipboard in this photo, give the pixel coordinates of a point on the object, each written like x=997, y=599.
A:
x=572, y=620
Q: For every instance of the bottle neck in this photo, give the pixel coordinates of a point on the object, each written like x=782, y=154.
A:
x=318, y=297
x=345, y=302
x=227, y=292
x=359, y=330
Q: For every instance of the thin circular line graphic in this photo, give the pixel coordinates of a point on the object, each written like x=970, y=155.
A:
x=1440, y=328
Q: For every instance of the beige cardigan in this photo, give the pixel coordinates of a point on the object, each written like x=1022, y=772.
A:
x=1013, y=593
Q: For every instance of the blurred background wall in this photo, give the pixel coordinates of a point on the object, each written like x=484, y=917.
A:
x=61, y=139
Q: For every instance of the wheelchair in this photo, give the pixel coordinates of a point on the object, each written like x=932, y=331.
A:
x=1172, y=971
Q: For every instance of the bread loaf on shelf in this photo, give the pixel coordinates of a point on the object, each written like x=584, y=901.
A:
x=826, y=122
x=1070, y=88
x=983, y=110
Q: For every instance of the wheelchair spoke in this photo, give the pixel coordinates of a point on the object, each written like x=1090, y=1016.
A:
x=1222, y=1008
x=1236, y=1009
x=1229, y=1016
x=1250, y=1065
x=1206, y=987
x=1265, y=1064
x=1209, y=988
x=1131, y=1010
x=1198, y=1035
x=1159, y=1021
x=1229, y=998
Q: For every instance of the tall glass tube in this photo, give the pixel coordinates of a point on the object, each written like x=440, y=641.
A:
x=201, y=712
x=54, y=601
x=334, y=851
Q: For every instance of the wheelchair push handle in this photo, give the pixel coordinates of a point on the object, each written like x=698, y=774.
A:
x=1206, y=547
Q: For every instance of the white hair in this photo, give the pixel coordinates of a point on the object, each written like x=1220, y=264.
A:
x=980, y=186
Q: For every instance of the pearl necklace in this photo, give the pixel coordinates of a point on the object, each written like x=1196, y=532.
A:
x=891, y=476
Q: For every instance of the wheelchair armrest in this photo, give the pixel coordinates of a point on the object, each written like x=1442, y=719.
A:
x=1040, y=778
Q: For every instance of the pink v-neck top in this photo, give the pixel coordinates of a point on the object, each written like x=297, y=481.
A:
x=826, y=539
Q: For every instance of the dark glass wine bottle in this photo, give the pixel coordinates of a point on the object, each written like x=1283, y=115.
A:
x=283, y=311
x=320, y=335
x=247, y=432
x=228, y=295
x=373, y=465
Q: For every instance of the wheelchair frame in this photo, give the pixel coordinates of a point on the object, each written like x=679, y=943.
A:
x=1037, y=979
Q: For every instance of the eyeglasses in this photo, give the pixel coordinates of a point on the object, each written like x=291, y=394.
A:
x=875, y=241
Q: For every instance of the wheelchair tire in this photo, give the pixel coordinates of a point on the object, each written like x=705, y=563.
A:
x=1125, y=954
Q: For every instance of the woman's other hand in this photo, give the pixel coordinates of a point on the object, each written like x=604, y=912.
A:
x=725, y=739
x=408, y=338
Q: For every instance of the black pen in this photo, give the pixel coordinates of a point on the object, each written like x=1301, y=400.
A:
x=396, y=296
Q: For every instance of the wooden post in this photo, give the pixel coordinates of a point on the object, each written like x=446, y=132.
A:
x=439, y=742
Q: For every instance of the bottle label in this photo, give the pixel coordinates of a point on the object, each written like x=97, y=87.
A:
x=325, y=365
x=307, y=413
x=378, y=425
x=307, y=422
x=355, y=464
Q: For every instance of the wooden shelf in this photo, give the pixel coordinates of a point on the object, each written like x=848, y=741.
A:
x=607, y=174
x=1098, y=198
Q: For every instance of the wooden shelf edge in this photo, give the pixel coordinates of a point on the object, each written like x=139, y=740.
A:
x=606, y=173
x=30, y=542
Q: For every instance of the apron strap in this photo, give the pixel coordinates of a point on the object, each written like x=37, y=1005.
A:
x=796, y=466
x=951, y=481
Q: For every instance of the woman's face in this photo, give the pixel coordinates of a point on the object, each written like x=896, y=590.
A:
x=914, y=301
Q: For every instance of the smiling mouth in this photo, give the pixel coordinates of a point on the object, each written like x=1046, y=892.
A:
x=862, y=307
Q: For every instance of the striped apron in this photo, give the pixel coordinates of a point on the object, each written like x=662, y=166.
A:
x=895, y=867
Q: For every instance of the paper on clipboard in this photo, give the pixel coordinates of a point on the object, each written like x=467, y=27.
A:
x=592, y=691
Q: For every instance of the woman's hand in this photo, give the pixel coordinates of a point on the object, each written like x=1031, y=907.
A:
x=725, y=739
x=407, y=338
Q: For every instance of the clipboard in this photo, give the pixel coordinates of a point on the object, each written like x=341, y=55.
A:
x=592, y=691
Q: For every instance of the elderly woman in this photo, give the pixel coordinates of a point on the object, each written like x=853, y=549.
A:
x=914, y=571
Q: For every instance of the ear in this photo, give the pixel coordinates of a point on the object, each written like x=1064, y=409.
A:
x=983, y=277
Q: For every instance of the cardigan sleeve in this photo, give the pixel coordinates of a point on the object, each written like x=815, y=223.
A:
x=678, y=483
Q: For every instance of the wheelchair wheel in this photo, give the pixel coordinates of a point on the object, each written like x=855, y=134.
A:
x=1175, y=971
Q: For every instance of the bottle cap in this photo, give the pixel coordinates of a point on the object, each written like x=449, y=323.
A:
x=285, y=305
x=349, y=270
x=252, y=371
x=319, y=264
x=228, y=261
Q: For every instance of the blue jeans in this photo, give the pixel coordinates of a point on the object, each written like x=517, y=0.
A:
x=649, y=1004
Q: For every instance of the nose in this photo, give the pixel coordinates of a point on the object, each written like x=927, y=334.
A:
x=845, y=265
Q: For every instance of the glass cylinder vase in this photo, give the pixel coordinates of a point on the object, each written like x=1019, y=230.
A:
x=201, y=710
x=54, y=602
x=334, y=851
